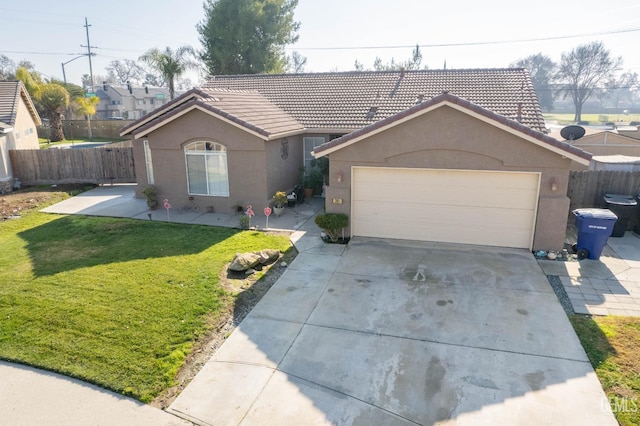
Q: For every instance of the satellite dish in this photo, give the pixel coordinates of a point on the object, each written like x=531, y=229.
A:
x=572, y=133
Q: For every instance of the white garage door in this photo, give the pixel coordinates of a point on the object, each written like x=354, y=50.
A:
x=456, y=206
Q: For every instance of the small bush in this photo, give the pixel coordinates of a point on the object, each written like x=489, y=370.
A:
x=244, y=221
x=332, y=224
x=152, y=197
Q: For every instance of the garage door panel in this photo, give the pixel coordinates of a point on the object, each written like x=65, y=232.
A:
x=472, y=207
x=500, y=198
x=445, y=215
x=496, y=236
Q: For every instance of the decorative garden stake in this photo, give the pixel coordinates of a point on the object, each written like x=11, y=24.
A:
x=267, y=213
x=250, y=213
x=167, y=206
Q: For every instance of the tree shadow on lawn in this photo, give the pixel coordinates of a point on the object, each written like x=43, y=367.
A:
x=74, y=242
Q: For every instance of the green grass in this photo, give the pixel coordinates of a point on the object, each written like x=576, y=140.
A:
x=595, y=119
x=115, y=302
x=613, y=347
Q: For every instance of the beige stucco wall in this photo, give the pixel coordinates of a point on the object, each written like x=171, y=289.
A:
x=282, y=172
x=449, y=139
x=24, y=124
x=256, y=168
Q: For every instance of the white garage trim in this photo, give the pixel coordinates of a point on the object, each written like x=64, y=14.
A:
x=496, y=208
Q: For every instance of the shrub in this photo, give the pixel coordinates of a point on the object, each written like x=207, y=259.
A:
x=244, y=221
x=152, y=197
x=332, y=224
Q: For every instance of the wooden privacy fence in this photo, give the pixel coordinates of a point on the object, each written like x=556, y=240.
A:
x=587, y=188
x=83, y=165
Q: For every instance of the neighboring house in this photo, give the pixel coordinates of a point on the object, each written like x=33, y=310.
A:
x=603, y=143
x=437, y=155
x=128, y=103
x=18, y=121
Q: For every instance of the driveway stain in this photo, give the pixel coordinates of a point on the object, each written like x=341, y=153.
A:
x=535, y=379
x=444, y=302
x=522, y=311
x=441, y=395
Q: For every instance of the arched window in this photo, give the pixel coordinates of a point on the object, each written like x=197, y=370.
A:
x=207, y=172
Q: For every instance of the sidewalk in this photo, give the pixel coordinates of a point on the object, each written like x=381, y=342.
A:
x=36, y=397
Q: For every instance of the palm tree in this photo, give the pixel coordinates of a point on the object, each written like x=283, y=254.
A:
x=53, y=99
x=87, y=106
x=170, y=64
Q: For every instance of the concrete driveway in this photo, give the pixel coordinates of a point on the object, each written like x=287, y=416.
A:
x=401, y=333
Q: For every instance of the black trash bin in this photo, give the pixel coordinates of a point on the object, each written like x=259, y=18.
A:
x=622, y=206
x=594, y=228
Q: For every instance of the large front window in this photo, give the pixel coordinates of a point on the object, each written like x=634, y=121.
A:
x=207, y=172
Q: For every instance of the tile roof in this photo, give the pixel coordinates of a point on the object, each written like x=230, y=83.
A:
x=246, y=109
x=352, y=100
x=10, y=94
x=450, y=99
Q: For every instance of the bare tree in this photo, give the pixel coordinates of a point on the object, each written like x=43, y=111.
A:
x=7, y=68
x=583, y=69
x=125, y=70
x=542, y=69
x=624, y=92
x=296, y=62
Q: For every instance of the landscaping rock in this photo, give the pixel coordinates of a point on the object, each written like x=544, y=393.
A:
x=244, y=261
x=268, y=256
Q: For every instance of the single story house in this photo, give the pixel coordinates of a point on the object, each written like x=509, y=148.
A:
x=18, y=121
x=440, y=155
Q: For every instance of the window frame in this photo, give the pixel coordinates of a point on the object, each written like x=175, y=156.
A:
x=315, y=141
x=148, y=161
x=219, y=151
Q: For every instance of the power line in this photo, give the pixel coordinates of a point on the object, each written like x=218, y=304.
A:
x=477, y=43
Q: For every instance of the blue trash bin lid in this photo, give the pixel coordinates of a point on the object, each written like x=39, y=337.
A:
x=596, y=213
x=620, y=200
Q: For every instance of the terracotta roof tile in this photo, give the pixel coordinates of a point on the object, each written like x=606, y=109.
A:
x=246, y=108
x=344, y=100
x=10, y=93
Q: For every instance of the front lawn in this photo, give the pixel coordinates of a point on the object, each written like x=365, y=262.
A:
x=613, y=347
x=116, y=302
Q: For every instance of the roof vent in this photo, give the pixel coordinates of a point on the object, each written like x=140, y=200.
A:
x=372, y=112
x=519, y=114
x=401, y=72
x=419, y=99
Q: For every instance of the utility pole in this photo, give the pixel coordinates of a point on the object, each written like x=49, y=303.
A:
x=89, y=54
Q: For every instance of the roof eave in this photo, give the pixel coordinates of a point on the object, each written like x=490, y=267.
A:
x=145, y=130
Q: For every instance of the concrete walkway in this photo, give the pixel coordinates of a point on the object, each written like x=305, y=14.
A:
x=607, y=286
x=119, y=201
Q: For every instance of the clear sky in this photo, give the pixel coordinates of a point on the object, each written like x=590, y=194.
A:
x=48, y=33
